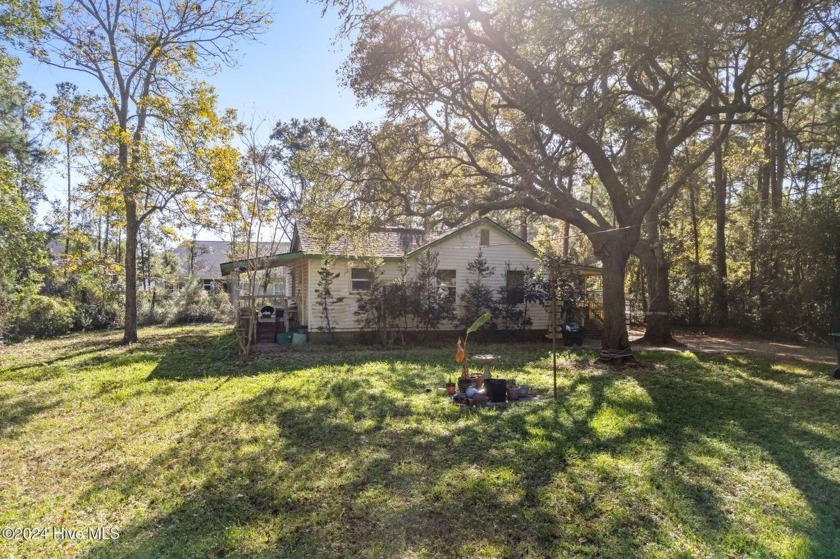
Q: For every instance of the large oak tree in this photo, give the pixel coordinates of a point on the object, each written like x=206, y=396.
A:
x=503, y=95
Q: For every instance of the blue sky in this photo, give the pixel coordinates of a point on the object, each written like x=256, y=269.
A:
x=290, y=72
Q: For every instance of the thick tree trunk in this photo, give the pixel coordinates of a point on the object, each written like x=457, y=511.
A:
x=130, y=329
x=656, y=266
x=613, y=251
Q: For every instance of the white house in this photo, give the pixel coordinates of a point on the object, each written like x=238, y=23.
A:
x=508, y=254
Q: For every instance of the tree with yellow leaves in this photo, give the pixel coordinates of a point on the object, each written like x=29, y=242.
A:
x=159, y=138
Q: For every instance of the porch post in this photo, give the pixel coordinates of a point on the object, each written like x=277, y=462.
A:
x=234, y=294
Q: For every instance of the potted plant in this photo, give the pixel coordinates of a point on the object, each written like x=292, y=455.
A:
x=450, y=387
x=461, y=356
x=512, y=390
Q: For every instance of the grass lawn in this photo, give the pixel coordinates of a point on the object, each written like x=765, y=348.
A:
x=342, y=453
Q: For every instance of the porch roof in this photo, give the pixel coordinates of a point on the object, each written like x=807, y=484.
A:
x=260, y=262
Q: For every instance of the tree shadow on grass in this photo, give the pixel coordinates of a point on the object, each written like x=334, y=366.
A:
x=747, y=412
x=16, y=412
x=54, y=366
x=344, y=465
x=61, y=353
x=340, y=440
x=204, y=356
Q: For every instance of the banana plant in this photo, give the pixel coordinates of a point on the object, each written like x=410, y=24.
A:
x=461, y=353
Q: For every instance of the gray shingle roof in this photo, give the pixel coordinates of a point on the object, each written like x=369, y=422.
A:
x=387, y=242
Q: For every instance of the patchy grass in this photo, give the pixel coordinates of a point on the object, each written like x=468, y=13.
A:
x=339, y=453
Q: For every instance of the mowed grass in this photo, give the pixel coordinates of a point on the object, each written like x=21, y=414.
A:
x=326, y=452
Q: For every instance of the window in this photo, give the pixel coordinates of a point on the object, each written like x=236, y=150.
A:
x=485, y=237
x=515, y=283
x=279, y=288
x=208, y=285
x=446, y=280
x=359, y=279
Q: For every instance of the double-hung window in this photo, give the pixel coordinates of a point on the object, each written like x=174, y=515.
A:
x=446, y=280
x=515, y=283
x=359, y=279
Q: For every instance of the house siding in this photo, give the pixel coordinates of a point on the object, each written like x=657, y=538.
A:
x=457, y=252
x=297, y=280
x=454, y=253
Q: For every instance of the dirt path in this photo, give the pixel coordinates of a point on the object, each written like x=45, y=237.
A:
x=703, y=343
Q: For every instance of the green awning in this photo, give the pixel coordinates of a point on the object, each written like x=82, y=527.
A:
x=260, y=262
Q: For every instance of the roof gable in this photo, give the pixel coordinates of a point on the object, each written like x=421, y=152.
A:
x=395, y=242
x=484, y=221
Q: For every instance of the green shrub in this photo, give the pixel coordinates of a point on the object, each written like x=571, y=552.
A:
x=194, y=304
x=98, y=300
x=156, y=306
x=98, y=304
x=41, y=317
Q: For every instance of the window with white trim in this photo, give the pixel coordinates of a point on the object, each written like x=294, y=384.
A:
x=446, y=280
x=359, y=279
x=485, y=238
x=515, y=283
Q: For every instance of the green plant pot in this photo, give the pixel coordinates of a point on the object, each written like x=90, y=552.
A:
x=463, y=383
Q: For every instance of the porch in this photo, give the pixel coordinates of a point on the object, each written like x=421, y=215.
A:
x=268, y=314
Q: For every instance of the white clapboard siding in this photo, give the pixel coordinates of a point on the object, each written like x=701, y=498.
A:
x=459, y=250
x=454, y=253
x=297, y=286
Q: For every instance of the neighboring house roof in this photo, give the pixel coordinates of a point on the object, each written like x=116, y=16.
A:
x=209, y=256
